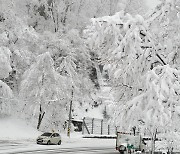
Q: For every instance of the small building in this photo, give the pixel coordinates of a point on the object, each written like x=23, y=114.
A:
x=77, y=124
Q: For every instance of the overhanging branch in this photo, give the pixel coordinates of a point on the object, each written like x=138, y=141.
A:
x=160, y=59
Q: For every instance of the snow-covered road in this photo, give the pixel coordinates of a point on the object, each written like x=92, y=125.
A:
x=17, y=137
x=87, y=150
x=69, y=145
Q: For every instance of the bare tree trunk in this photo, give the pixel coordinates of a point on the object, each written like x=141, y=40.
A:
x=41, y=115
x=153, y=141
x=63, y=20
x=70, y=116
x=53, y=16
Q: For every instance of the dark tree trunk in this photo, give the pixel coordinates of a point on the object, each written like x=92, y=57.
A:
x=41, y=115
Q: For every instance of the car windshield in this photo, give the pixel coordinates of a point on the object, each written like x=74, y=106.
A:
x=46, y=134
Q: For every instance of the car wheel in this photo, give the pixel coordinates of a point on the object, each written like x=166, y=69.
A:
x=121, y=152
x=49, y=142
x=59, y=143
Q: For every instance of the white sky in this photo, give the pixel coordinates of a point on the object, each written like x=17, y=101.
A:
x=152, y=3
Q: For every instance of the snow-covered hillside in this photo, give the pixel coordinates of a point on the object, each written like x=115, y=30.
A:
x=16, y=129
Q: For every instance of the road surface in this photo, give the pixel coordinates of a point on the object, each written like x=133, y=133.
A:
x=83, y=150
x=30, y=147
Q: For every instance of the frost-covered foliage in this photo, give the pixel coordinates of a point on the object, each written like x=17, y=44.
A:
x=71, y=60
x=56, y=15
x=6, y=96
x=39, y=78
x=156, y=105
x=142, y=61
x=126, y=50
x=6, y=104
x=164, y=25
x=44, y=60
x=19, y=38
x=41, y=86
x=55, y=74
x=5, y=92
x=5, y=66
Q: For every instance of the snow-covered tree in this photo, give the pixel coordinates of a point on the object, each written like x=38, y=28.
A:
x=5, y=66
x=128, y=49
x=154, y=109
x=72, y=61
x=164, y=25
x=40, y=88
x=19, y=38
x=69, y=62
x=5, y=91
x=6, y=104
x=55, y=15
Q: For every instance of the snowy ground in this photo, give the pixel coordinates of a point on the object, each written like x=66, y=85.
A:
x=12, y=146
x=14, y=129
x=16, y=136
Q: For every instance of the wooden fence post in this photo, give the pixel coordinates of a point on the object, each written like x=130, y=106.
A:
x=101, y=127
x=116, y=129
x=92, y=125
x=83, y=125
x=108, y=130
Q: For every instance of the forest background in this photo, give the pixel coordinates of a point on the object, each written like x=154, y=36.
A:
x=53, y=52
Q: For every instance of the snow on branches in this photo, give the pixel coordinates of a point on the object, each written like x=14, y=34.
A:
x=39, y=80
x=164, y=24
x=5, y=66
x=6, y=95
x=5, y=91
x=144, y=75
x=126, y=49
x=41, y=86
x=156, y=105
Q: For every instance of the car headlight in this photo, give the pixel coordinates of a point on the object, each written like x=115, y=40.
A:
x=45, y=139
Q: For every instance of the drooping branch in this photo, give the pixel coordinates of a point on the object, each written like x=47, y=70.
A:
x=160, y=59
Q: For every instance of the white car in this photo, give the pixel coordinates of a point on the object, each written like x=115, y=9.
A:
x=49, y=138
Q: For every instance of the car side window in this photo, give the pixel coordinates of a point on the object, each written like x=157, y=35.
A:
x=57, y=134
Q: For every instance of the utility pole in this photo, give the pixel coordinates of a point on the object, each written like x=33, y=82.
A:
x=70, y=117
